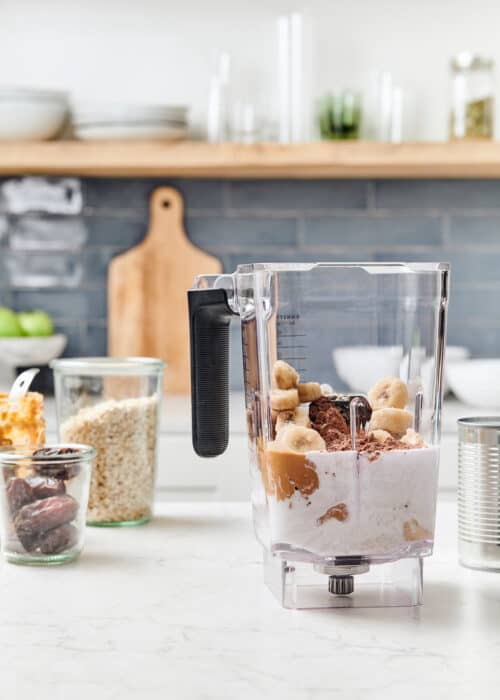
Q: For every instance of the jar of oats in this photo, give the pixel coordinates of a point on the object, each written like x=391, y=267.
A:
x=114, y=406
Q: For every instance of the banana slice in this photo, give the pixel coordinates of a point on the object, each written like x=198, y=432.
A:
x=412, y=438
x=395, y=421
x=285, y=376
x=296, y=438
x=309, y=391
x=299, y=416
x=284, y=419
x=390, y=392
x=381, y=435
x=284, y=399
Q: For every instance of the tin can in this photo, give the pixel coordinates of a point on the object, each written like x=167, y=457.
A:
x=479, y=492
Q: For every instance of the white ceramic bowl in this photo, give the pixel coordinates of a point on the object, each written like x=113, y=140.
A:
x=29, y=352
x=476, y=382
x=31, y=115
x=92, y=112
x=139, y=131
x=454, y=353
x=360, y=366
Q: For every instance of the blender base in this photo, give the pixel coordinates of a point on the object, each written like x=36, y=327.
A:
x=302, y=585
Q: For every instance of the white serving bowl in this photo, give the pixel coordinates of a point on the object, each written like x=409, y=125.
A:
x=476, y=382
x=92, y=112
x=454, y=353
x=360, y=366
x=139, y=131
x=27, y=352
x=31, y=115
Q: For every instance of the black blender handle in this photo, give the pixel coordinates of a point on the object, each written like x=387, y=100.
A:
x=209, y=321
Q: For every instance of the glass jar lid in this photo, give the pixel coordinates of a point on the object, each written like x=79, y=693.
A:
x=49, y=455
x=466, y=60
x=102, y=366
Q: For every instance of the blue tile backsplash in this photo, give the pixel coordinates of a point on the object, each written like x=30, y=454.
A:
x=447, y=220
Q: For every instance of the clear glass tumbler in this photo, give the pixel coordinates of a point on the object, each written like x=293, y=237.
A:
x=113, y=405
x=43, y=502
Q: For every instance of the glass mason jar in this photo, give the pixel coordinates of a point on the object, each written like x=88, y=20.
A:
x=472, y=97
x=43, y=502
x=113, y=405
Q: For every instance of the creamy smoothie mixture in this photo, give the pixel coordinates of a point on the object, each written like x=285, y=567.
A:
x=328, y=497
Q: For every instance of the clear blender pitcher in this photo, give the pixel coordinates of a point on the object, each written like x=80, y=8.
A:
x=343, y=367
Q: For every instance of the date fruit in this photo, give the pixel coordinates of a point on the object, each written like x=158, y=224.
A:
x=58, y=540
x=54, y=451
x=34, y=519
x=46, y=486
x=19, y=494
x=57, y=469
x=29, y=542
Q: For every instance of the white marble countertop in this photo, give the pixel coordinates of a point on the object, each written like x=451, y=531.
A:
x=177, y=609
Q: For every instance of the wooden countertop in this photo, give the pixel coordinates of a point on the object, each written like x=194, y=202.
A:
x=267, y=160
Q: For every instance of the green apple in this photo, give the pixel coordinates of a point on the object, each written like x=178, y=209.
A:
x=9, y=324
x=35, y=323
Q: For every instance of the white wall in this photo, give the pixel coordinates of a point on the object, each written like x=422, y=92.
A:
x=159, y=50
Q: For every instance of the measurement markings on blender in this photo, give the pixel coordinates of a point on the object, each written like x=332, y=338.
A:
x=285, y=325
x=294, y=335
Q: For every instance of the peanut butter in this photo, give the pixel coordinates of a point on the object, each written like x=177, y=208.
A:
x=286, y=472
x=338, y=512
x=413, y=531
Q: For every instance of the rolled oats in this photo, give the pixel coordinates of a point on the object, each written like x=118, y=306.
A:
x=124, y=434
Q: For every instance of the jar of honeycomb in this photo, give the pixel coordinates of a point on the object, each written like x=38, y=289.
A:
x=21, y=421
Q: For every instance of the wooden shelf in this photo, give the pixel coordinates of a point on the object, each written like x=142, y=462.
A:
x=203, y=160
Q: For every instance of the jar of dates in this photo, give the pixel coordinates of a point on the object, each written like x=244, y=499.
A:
x=43, y=502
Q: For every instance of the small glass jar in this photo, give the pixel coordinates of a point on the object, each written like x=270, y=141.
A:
x=113, y=405
x=472, y=99
x=21, y=421
x=43, y=502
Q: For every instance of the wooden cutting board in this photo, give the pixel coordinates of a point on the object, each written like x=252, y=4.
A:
x=147, y=287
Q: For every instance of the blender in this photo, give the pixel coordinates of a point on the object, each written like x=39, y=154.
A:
x=344, y=485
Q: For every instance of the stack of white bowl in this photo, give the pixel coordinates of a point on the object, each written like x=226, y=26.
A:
x=125, y=121
x=31, y=114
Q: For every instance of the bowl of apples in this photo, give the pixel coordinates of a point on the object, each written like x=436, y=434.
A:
x=27, y=339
